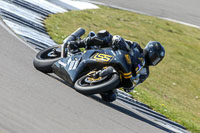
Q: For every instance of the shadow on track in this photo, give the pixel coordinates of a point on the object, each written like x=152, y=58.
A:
x=129, y=113
x=142, y=108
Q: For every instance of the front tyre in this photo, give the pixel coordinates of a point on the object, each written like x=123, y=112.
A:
x=88, y=85
x=46, y=58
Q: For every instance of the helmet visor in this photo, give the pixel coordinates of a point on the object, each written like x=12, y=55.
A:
x=156, y=61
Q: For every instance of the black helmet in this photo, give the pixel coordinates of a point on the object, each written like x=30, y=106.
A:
x=105, y=36
x=154, y=52
x=119, y=43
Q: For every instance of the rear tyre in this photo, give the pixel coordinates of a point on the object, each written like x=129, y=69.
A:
x=46, y=58
x=99, y=85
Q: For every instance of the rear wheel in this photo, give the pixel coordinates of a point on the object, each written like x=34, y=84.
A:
x=46, y=58
x=93, y=83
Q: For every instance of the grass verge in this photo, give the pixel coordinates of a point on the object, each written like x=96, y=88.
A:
x=173, y=86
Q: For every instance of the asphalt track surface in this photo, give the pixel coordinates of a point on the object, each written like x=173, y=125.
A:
x=187, y=11
x=33, y=102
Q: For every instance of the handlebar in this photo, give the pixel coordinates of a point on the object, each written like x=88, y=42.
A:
x=79, y=32
x=76, y=34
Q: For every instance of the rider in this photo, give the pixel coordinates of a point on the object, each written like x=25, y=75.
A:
x=141, y=59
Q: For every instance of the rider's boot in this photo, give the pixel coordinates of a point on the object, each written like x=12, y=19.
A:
x=109, y=96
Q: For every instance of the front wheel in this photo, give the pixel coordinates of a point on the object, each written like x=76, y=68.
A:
x=89, y=85
x=46, y=58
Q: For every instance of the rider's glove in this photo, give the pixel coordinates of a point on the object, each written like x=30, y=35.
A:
x=91, y=41
x=72, y=45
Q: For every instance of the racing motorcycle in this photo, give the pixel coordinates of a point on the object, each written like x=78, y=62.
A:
x=95, y=70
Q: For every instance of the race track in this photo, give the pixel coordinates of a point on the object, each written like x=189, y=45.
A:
x=32, y=102
x=187, y=11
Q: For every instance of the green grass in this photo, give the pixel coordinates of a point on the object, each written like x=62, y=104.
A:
x=173, y=86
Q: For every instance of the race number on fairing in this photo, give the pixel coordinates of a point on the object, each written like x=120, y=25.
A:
x=102, y=57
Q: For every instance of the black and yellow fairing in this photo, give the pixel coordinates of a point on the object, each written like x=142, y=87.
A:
x=77, y=65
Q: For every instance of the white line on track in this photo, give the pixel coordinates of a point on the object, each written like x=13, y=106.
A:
x=139, y=12
x=180, y=22
x=13, y=33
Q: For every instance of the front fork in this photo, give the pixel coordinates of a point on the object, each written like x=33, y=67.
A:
x=63, y=47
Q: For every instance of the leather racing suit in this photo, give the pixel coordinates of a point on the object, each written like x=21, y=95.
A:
x=140, y=71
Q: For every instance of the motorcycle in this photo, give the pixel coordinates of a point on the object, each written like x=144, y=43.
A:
x=93, y=71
